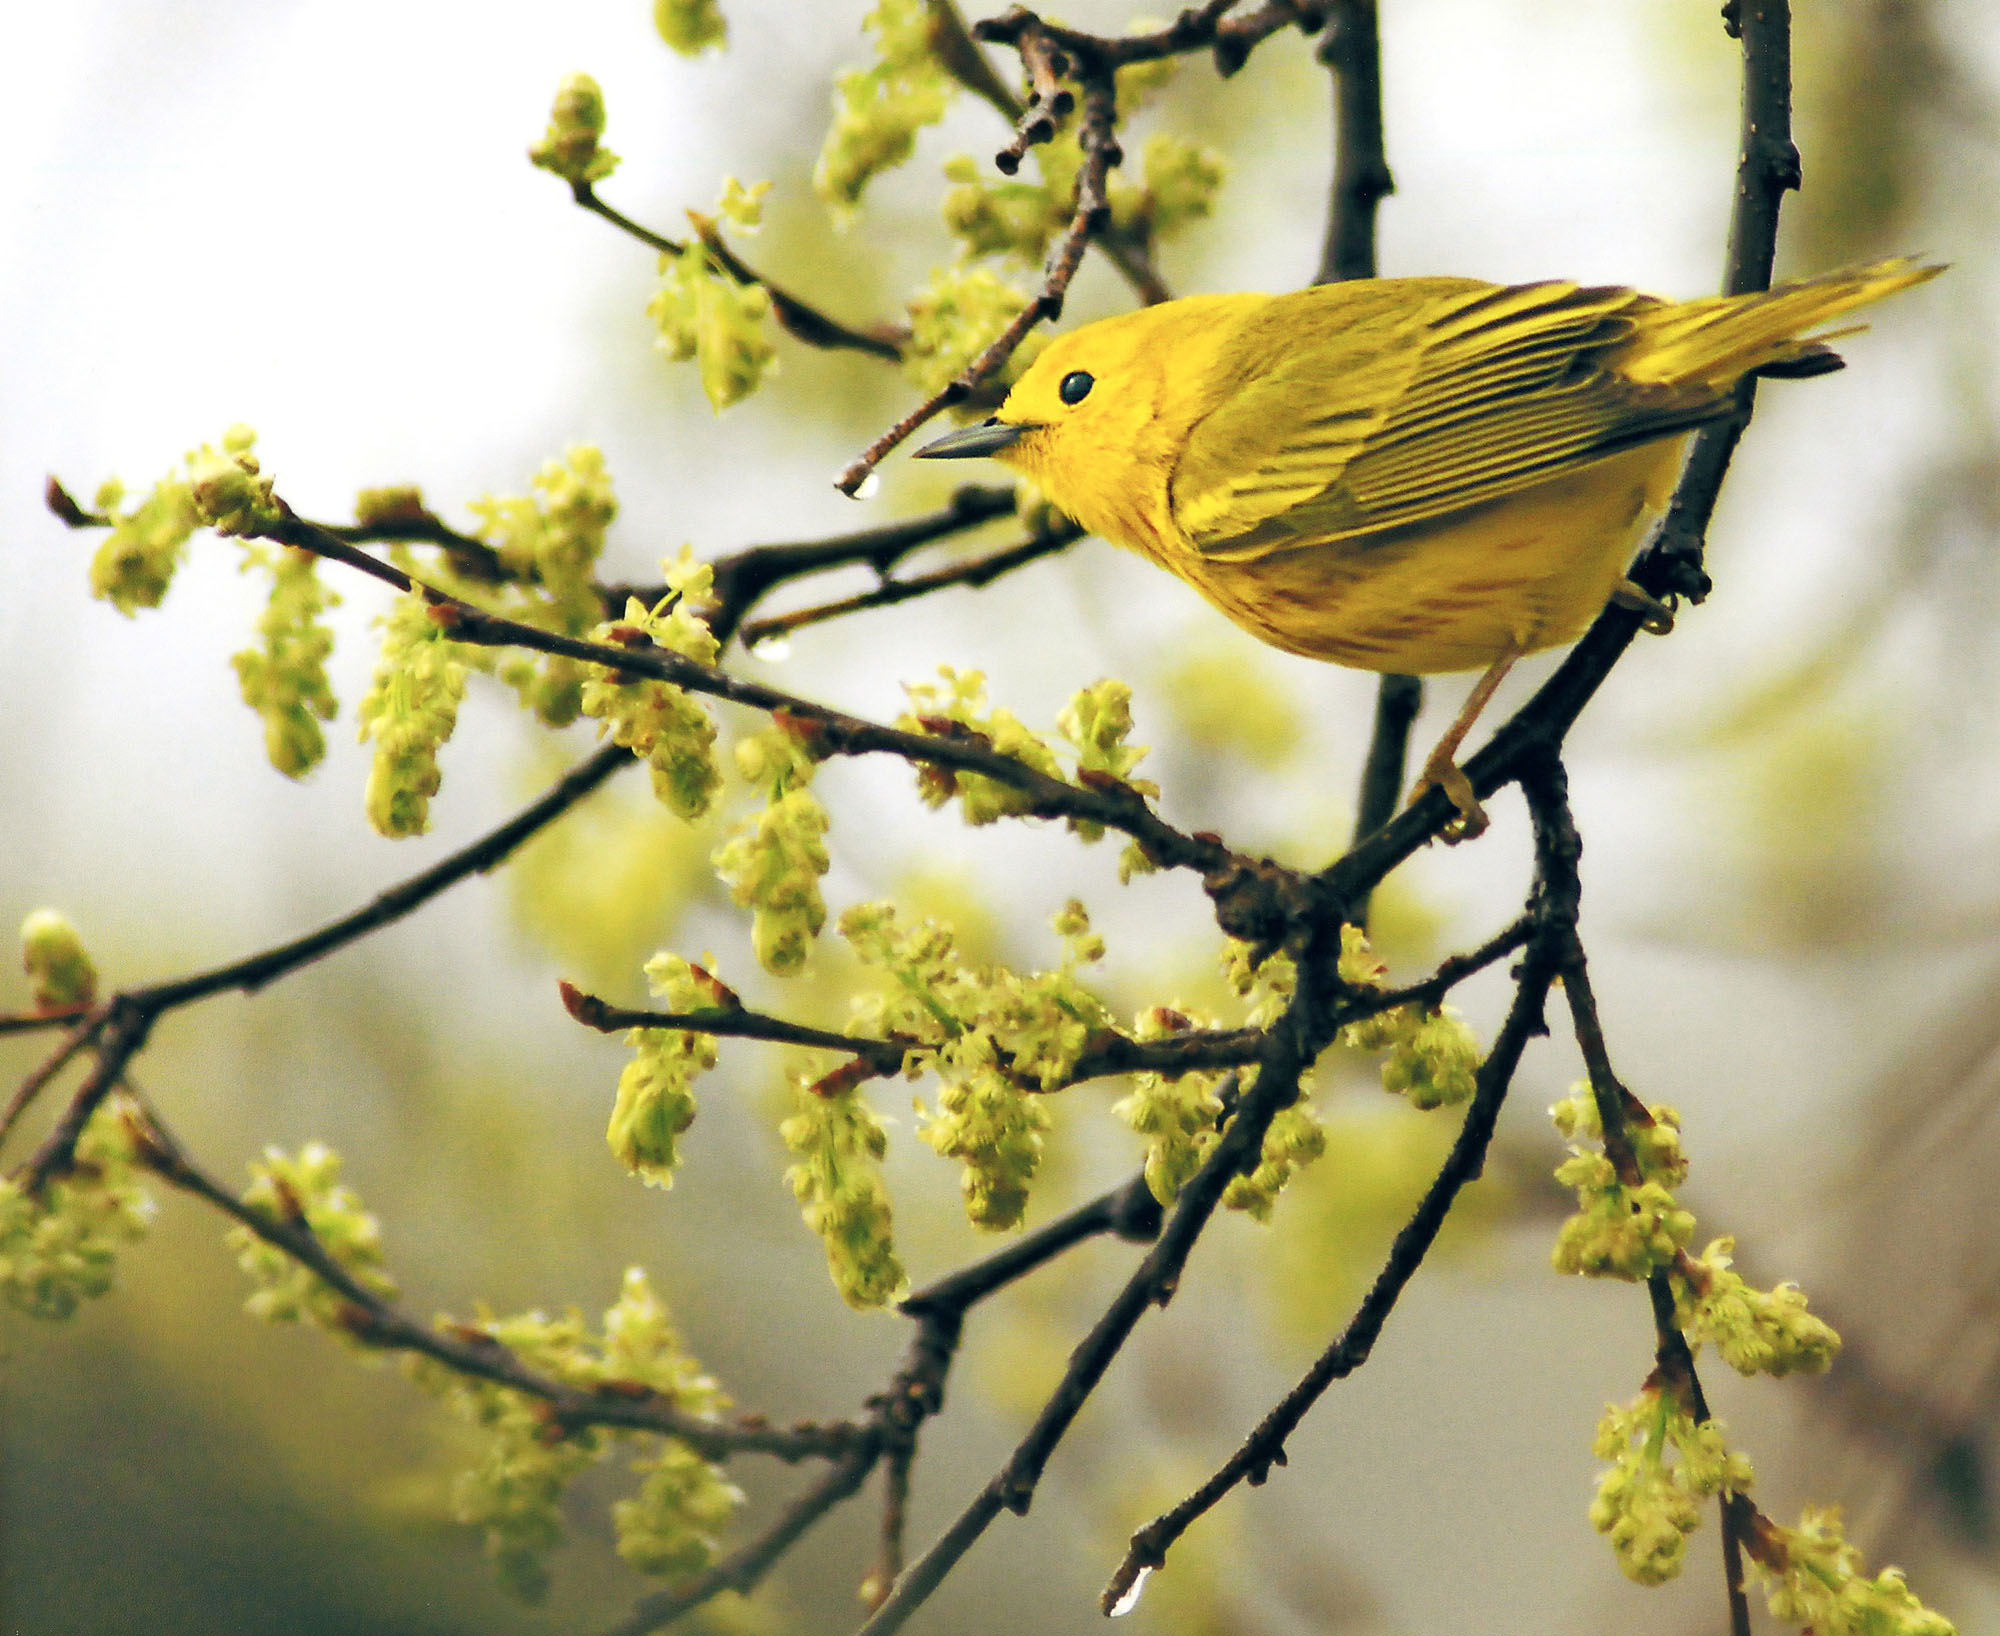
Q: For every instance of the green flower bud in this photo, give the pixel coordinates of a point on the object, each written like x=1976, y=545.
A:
x=1757, y=1331
x=962, y=701
x=879, y=110
x=656, y=1090
x=672, y=1526
x=1435, y=1064
x=59, y=1248
x=773, y=866
x=134, y=566
x=570, y=147
x=409, y=711
x=307, y=1188
x=1665, y=1463
x=59, y=968
x=284, y=679
x=991, y=1126
x=690, y=26
x=742, y=205
x=1815, y=1579
x=1296, y=1138
x=956, y=317
x=387, y=507
x=838, y=1143
x=230, y=493
x=702, y=312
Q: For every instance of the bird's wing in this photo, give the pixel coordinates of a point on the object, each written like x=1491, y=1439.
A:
x=1397, y=405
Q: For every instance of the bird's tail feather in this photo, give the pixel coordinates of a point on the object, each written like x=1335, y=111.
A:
x=1721, y=338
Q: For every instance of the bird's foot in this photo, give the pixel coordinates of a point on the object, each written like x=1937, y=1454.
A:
x=1446, y=774
x=1658, y=616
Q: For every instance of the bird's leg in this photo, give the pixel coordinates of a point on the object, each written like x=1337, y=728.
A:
x=1659, y=616
x=1441, y=766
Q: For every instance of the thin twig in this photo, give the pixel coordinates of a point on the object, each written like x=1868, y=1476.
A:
x=800, y=319
x=131, y=1014
x=1102, y=801
x=79, y=1038
x=626, y=1405
x=976, y=572
x=1289, y=1047
x=1265, y=1446
x=1091, y=213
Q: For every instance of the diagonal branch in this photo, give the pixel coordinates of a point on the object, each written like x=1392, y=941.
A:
x=799, y=318
x=978, y=571
x=1265, y=1446
x=626, y=1405
x=1092, y=213
x=130, y=1015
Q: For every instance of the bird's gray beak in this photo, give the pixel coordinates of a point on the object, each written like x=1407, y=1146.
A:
x=988, y=437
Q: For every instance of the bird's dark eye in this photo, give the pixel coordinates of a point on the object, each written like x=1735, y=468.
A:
x=1075, y=386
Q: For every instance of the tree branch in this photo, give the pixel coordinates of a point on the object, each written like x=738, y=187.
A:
x=978, y=571
x=800, y=319
x=1265, y=1446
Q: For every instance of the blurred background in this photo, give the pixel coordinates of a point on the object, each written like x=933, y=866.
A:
x=320, y=219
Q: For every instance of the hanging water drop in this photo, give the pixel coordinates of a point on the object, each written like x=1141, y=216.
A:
x=1130, y=1600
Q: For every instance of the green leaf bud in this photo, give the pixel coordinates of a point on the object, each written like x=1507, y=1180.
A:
x=59, y=968
x=838, y=1143
x=570, y=148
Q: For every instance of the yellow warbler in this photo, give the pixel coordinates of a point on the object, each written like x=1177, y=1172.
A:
x=1402, y=474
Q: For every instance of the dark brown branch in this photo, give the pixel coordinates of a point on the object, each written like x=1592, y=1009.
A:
x=1197, y=28
x=89, y=1026
x=744, y=1568
x=131, y=1014
x=1361, y=180
x=473, y=558
x=1558, y=850
x=976, y=572
x=799, y=318
x=1290, y=1046
x=1049, y=101
x=1108, y=1053
x=742, y=578
x=626, y=1405
x=1092, y=212
x=1265, y=1446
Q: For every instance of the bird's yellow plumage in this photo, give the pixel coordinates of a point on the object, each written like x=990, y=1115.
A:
x=1411, y=474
